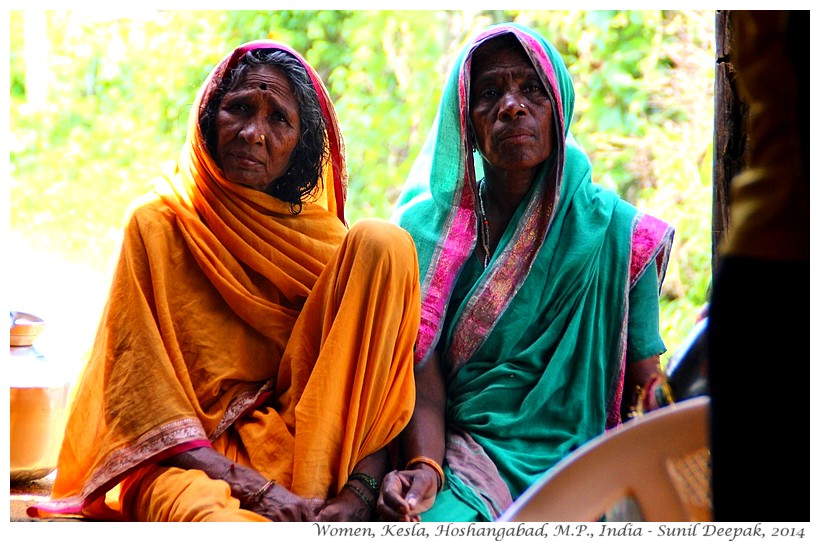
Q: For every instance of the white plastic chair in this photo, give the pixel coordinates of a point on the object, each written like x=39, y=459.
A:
x=659, y=460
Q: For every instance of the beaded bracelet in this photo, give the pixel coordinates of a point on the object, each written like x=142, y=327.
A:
x=371, y=505
x=259, y=494
x=367, y=480
x=657, y=388
x=663, y=393
x=432, y=463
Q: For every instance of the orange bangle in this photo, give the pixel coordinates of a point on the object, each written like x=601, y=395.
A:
x=432, y=463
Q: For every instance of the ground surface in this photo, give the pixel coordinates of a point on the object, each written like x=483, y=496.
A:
x=25, y=494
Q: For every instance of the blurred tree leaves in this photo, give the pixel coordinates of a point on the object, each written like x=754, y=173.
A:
x=119, y=92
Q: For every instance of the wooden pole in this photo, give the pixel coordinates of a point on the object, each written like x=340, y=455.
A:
x=730, y=139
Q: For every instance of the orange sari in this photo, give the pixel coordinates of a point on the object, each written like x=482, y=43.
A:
x=283, y=341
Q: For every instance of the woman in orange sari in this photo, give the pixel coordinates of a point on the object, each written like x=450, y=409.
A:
x=254, y=358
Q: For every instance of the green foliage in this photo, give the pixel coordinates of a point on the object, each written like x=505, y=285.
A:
x=17, y=88
x=119, y=93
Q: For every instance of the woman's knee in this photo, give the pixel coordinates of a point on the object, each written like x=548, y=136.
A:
x=384, y=242
x=172, y=494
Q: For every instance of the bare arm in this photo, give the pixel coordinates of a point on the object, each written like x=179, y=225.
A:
x=275, y=503
x=407, y=493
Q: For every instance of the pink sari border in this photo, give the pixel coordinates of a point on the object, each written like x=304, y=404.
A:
x=456, y=242
x=171, y=438
x=651, y=241
x=241, y=404
x=498, y=286
x=541, y=60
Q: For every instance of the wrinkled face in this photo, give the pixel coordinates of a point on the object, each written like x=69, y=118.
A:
x=257, y=128
x=510, y=110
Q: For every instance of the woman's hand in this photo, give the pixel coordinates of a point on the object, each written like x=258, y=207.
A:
x=279, y=504
x=346, y=506
x=638, y=380
x=406, y=494
x=357, y=499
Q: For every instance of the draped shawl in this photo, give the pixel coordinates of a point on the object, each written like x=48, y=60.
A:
x=534, y=355
x=211, y=279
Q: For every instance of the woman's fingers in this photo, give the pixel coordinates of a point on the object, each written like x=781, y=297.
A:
x=392, y=504
x=416, y=492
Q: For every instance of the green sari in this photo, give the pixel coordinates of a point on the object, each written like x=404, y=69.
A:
x=534, y=346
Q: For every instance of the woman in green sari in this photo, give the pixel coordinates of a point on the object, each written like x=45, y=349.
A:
x=539, y=288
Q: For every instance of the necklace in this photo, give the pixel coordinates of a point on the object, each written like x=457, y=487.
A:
x=485, y=225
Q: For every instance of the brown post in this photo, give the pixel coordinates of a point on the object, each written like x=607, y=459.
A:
x=731, y=140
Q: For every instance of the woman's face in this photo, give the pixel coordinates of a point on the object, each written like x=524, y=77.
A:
x=510, y=110
x=257, y=128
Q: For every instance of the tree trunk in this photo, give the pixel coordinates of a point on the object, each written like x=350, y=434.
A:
x=731, y=140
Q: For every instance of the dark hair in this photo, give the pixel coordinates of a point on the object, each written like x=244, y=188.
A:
x=498, y=44
x=311, y=152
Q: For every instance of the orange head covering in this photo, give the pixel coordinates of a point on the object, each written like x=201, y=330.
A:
x=331, y=193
